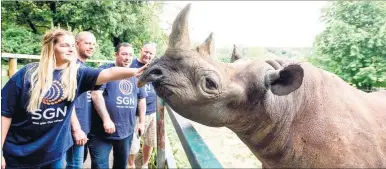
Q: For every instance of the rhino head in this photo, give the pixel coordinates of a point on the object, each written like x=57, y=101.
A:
x=288, y=114
x=211, y=92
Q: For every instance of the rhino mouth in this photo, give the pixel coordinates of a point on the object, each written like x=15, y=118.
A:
x=163, y=89
x=151, y=74
x=155, y=75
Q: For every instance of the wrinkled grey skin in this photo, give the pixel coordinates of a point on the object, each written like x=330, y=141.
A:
x=288, y=114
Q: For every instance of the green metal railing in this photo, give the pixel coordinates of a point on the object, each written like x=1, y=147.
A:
x=196, y=150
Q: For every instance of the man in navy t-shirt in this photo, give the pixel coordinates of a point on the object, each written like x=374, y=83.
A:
x=81, y=120
x=149, y=135
x=116, y=104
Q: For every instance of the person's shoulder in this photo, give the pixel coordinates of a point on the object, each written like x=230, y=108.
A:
x=80, y=63
x=24, y=73
x=82, y=70
x=135, y=63
x=28, y=68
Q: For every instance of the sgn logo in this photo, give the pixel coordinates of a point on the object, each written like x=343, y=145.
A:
x=49, y=113
x=126, y=88
x=54, y=96
x=125, y=100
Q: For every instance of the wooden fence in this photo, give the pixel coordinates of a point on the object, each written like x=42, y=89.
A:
x=12, y=61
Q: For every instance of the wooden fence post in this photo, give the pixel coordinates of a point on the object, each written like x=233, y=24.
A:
x=12, y=65
x=161, y=157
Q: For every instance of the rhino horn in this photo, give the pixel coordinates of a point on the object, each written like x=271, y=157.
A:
x=179, y=37
x=207, y=48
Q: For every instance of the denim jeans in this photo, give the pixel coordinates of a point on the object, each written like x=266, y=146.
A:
x=100, y=148
x=85, y=152
x=74, y=157
x=58, y=164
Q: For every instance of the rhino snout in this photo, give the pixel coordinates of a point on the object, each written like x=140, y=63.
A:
x=151, y=75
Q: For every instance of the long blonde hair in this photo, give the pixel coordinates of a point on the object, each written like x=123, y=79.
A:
x=42, y=76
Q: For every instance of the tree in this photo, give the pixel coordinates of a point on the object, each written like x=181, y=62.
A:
x=35, y=16
x=20, y=40
x=112, y=22
x=353, y=44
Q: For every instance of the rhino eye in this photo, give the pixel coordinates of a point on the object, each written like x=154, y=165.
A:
x=210, y=84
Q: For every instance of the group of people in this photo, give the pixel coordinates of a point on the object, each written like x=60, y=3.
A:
x=57, y=111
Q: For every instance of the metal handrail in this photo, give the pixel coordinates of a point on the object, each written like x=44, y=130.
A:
x=198, y=153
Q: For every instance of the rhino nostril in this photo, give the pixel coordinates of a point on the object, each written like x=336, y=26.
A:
x=156, y=72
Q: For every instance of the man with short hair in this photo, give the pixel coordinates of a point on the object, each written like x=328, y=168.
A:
x=147, y=53
x=81, y=120
x=116, y=103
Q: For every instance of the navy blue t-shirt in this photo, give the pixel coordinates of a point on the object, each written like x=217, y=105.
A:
x=38, y=138
x=83, y=107
x=121, y=99
x=151, y=99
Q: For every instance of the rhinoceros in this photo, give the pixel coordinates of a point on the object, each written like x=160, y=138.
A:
x=290, y=114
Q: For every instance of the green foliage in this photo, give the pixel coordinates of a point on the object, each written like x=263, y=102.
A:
x=35, y=16
x=104, y=50
x=353, y=45
x=112, y=22
x=18, y=39
x=224, y=54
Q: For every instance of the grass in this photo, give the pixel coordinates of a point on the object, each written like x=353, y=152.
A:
x=177, y=149
x=4, y=79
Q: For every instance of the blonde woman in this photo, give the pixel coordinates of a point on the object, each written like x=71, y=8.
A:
x=37, y=103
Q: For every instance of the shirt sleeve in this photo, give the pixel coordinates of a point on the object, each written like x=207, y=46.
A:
x=87, y=79
x=142, y=93
x=11, y=94
x=103, y=86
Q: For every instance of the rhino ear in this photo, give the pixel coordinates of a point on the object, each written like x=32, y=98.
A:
x=236, y=54
x=207, y=48
x=286, y=80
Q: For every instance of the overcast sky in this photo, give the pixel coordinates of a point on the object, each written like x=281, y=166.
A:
x=255, y=23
